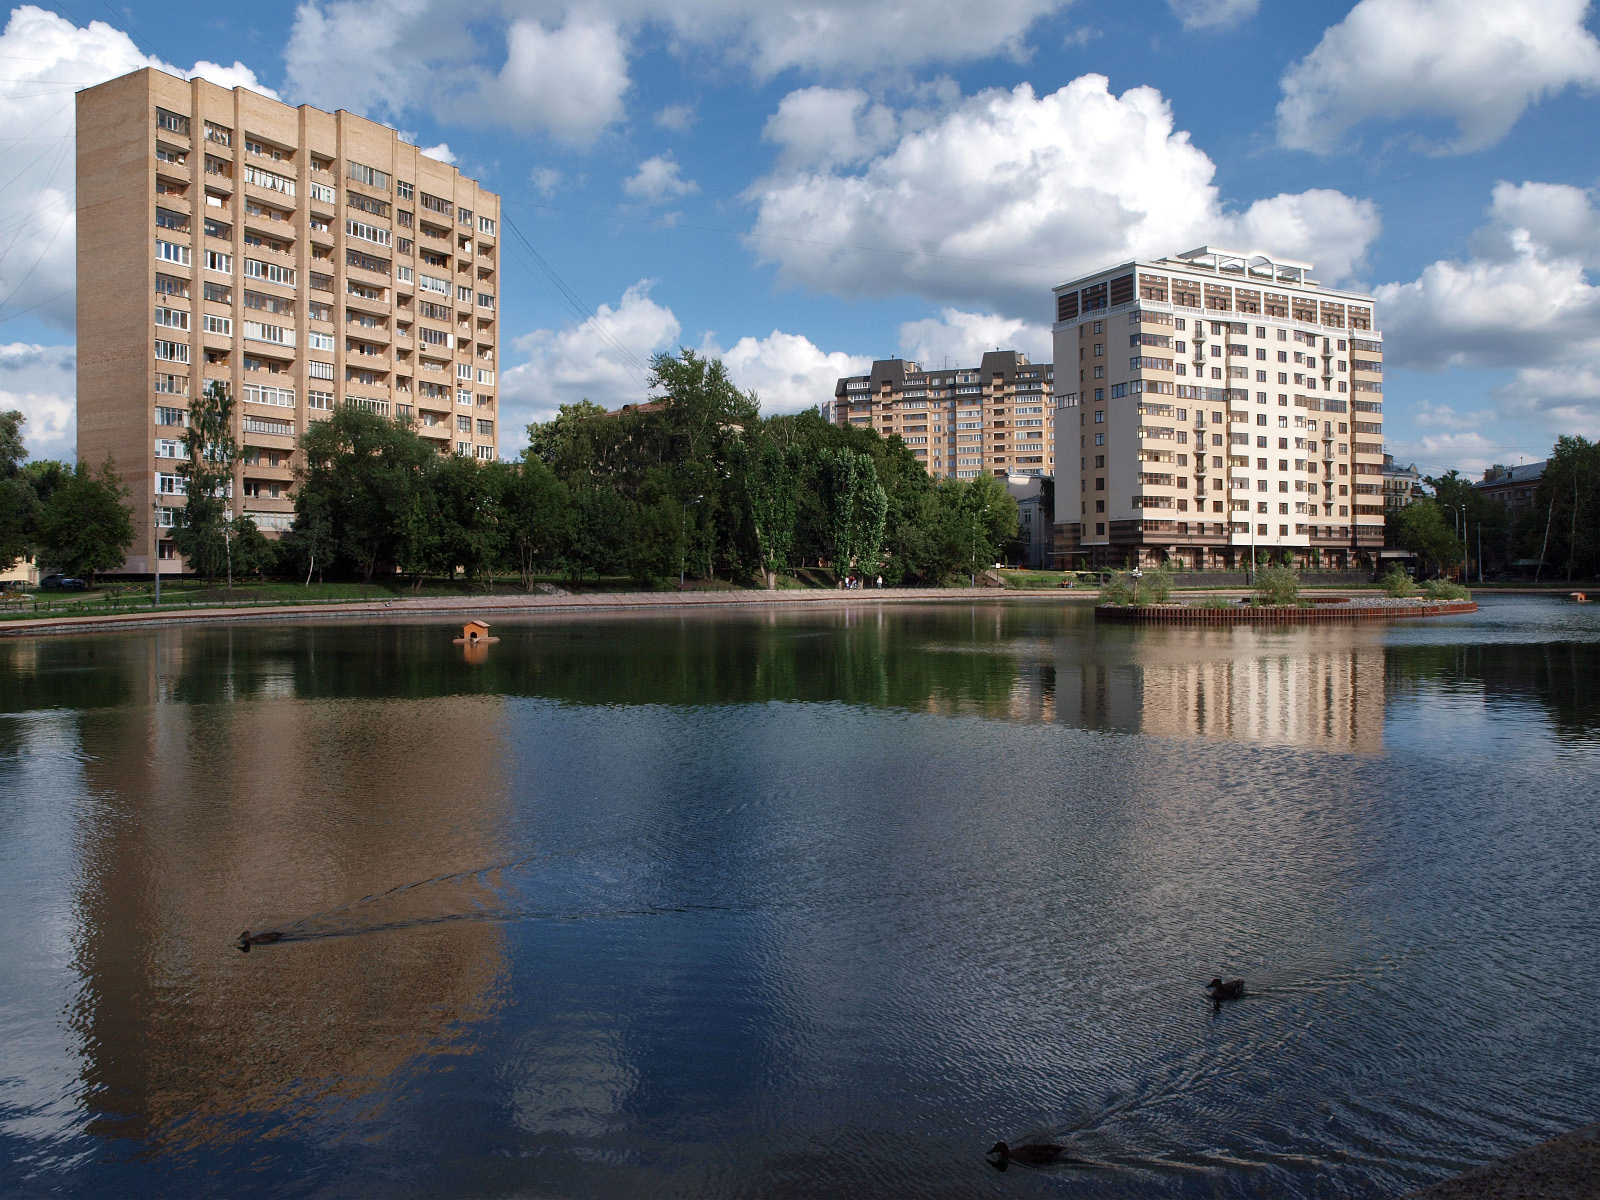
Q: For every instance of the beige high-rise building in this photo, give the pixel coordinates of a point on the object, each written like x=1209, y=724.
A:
x=994, y=419
x=1248, y=418
x=305, y=259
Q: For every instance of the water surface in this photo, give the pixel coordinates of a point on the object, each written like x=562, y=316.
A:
x=802, y=903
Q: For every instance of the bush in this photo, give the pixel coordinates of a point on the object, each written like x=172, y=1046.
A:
x=1155, y=586
x=1277, y=585
x=1397, y=583
x=1443, y=589
x=1118, y=589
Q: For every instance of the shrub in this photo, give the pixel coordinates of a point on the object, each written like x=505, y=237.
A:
x=1397, y=583
x=1443, y=589
x=1118, y=589
x=1155, y=586
x=1277, y=585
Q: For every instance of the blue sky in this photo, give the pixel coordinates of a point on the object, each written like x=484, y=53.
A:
x=802, y=188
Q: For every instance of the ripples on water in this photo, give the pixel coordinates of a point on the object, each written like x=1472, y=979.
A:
x=796, y=904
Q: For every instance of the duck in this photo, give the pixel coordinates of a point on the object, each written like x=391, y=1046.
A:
x=248, y=939
x=1035, y=1154
x=1232, y=990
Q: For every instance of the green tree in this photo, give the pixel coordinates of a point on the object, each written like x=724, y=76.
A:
x=17, y=500
x=467, y=500
x=597, y=534
x=360, y=475
x=535, y=511
x=1567, y=503
x=1428, y=531
x=856, y=505
x=86, y=526
x=655, y=542
x=203, y=534
x=772, y=481
x=253, y=553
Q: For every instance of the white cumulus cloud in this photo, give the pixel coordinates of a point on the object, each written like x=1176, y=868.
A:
x=1478, y=64
x=441, y=152
x=586, y=360
x=1213, y=14
x=46, y=59
x=1006, y=193
x=788, y=372
x=658, y=179
x=41, y=382
x=962, y=338
x=1522, y=301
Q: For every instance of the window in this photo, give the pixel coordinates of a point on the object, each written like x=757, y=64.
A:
x=318, y=311
x=269, y=179
x=485, y=301
x=322, y=192
x=485, y=428
x=319, y=370
x=429, y=283
x=262, y=393
x=172, y=252
x=255, y=268
x=171, y=385
x=219, y=325
x=434, y=337
x=219, y=262
x=486, y=225
x=370, y=176
x=405, y=274
x=261, y=332
x=319, y=400
x=172, y=351
x=171, y=485
x=319, y=341
x=1099, y=439
x=363, y=291
x=172, y=318
x=464, y=294
x=176, y=221
x=402, y=189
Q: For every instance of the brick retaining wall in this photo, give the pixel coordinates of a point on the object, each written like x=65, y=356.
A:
x=1323, y=614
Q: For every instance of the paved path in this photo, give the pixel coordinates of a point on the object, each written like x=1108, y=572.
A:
x=487, y=606
x=1564, y=1168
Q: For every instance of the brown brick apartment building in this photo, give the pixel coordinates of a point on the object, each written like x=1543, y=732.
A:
x=306, y=259
x=1213, y=405
x=997, y=418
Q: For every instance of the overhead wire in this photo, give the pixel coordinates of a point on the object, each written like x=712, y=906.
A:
x=623, y=357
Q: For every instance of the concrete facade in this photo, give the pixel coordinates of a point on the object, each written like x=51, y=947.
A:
x=959, y=422
x=1277, y=378
x=305, y=259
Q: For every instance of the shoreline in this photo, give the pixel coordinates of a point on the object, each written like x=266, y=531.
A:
x=1564, y=1168
x=485, y=606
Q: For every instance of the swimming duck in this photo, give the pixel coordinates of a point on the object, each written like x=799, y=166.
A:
x=248, y=939
x=1035, y=1154
x=1232, y=990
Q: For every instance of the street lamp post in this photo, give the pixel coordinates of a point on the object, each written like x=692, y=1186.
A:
x=683, y=548
x=155, y=542
x=1459, y=513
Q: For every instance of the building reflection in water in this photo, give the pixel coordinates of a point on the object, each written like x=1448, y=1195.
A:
x=1315, y=688
x=245, y=806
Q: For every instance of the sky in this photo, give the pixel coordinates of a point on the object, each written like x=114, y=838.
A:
x=801, y=188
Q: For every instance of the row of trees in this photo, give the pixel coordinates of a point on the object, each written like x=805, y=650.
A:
x=74, y=518
x=694, y=483
x=1558, y=535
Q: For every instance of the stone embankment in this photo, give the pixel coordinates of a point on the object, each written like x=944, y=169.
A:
x=486, y=607
x=1365, y=609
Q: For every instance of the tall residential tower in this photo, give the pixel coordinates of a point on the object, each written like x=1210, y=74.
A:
x=995, y=419
x=305, y=259
x=1247, y=421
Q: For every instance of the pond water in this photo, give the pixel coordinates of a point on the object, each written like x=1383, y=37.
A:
x=813, y=902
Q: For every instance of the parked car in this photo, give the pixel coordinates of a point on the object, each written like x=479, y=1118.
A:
x=62, y=583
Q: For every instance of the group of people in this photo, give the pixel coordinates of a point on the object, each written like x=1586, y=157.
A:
x=851, y=582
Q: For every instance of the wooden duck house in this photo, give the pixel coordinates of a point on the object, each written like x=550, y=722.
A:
x=475, y=633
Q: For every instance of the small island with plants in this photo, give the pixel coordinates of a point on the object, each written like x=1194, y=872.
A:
x=1145, y=598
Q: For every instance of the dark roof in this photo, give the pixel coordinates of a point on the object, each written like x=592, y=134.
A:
x=1498, y=476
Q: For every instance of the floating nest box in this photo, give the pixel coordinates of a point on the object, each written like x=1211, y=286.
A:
x=475, y=633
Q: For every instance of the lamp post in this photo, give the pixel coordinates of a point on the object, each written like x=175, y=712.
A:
x=155, y=540
x=683, y=547
x=1458, y=513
